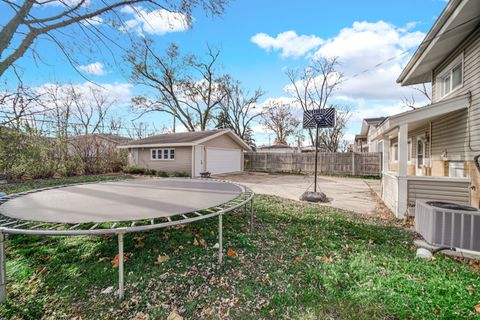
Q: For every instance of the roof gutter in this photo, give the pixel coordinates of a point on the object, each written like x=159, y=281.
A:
x=424, y=113
x=429, y=38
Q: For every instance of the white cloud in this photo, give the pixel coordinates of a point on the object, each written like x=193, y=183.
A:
x=379, y=47
x=156, y=22
x=95, y=68
x=382, y=49
x=289, y=43
x=67, y=3
x=94, y=21
x=118, y=94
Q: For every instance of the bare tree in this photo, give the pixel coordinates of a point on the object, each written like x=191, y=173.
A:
x=27, y=22
x=410, y=102
x=332, y=139
x=188, y=88
x=239, y=109
x=312, y=88
x=19, y=106
x=278, y=118
x=79, y=122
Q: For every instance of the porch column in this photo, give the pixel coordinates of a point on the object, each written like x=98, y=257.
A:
x=385, y=154
x=402, y=171
x=402, y=150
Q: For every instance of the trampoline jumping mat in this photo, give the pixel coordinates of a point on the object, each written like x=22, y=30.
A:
x=135, y=199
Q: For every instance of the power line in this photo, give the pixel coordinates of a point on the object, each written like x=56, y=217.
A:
x=424, y=43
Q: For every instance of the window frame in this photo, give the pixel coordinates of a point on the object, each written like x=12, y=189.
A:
x=394, y=152
x=161, y=152
x=447, y=72
x=409, y=150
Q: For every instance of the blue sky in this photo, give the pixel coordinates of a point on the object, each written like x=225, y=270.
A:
x=361, y=33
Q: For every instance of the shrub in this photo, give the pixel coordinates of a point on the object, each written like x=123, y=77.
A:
x=181, y=174
x=162, y=174
x=151, y=172
x=135, y=170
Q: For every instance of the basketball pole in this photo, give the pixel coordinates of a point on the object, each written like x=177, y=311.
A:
x=3, y=270
x=316, y=160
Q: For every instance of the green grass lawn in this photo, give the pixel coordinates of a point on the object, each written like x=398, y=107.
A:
x=302, y=262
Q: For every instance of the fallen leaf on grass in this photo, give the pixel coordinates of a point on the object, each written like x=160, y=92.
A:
x=298, y=259
x=174, y=316
x=140, y=316
x=477, y=308
x=199, y=242
x=324, y=259
x=44, y=257
x=475, y=264
x=231, y=253
x=139, y=242
x=125, y=258
x=207, y=311
x=107, y=290
x=162, y=259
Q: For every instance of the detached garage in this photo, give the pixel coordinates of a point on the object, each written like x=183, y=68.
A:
x=215, y=151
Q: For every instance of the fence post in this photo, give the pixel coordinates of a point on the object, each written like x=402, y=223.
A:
x=353, y=164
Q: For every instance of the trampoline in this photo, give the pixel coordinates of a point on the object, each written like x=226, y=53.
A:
x=118, y=207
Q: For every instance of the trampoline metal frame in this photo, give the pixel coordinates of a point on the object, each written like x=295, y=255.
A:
x=17, y=226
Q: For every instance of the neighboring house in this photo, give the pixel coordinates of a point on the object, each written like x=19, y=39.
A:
x=95, y=145
x=428, y=153
x=306, y=149
x=363, y=141
x=215, y=151
x=278, y=148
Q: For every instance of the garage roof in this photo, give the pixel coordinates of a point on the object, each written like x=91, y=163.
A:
x=184, y=139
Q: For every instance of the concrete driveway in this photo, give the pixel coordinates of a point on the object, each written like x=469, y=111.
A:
x=352, y=194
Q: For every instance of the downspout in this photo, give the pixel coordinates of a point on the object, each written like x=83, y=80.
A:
x=476, y=159
x=430, y=154
x=469, y=129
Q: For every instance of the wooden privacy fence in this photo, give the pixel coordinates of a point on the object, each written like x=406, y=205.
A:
x=349, y=163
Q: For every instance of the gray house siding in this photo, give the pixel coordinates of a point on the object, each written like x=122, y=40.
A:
x=449, y=134
x=454, y=191
x=471, y=83
x=182, y=162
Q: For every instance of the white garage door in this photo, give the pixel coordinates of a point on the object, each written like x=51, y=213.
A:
x=223, y=160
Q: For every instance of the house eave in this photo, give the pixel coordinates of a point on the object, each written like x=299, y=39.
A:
x=155, y=145
x=455, y=23
x=232, y=135
x=426, y=113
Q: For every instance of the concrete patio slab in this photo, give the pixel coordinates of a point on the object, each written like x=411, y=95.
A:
x=352, y=194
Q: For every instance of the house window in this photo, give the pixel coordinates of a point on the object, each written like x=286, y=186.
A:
x=162, y=154
x=395, y=152
x=451, y=78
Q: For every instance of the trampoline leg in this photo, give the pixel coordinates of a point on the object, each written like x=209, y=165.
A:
x=220, y=240
x=251, y=216
x=3, y=270
x=121, y=289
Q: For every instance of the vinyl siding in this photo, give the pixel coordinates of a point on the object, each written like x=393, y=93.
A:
x=182, y=162
x=449, y=134
x=389, y=191
x=471, y=83
x=223, y=141
x=438, y=190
